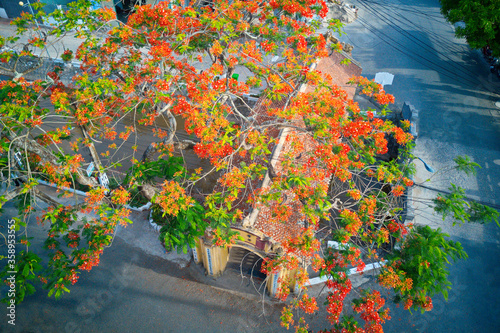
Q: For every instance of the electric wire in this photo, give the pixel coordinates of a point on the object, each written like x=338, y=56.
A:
x=420, y=59
x=444, y=42
x=415, y=11
x=490, y=204
x=426, y=59
x=408, y=35
x=438, y=36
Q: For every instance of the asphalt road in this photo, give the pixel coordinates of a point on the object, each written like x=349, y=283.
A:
x=453, y=90
x=135, y=289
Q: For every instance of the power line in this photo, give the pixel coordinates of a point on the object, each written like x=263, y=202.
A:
x=492, y=205
x=444, y=71
x=438, y=37
x=405, y=33
x=397, y=16
x=415, y=11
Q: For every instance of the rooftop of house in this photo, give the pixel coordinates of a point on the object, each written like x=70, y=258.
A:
x=280, y=227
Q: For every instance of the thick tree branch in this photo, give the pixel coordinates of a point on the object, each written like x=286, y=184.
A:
x=171, y=130
x=148, y=191
x=12, y=194
x=44, y=197
x=34, y=147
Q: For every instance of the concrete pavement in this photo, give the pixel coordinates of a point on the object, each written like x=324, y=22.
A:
x=134, y=289
x=451, y=87
x=454, y=92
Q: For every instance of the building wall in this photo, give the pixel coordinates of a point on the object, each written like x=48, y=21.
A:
x=215, y=258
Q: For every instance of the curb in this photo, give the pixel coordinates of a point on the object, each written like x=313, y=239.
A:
x=246, y=295
x=410, y=113
x=351, y=271
x=155, y=226
x=137, y=209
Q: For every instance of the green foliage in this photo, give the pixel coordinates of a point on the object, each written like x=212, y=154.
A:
x=347, y=324
x=136, y=198
x=465, y=164
x=76, y=17
x=424, y=256
x=482, y=213
x=481, y=18
x=181, y=230
x=452, y=203
x=21, y=270
x=148, y=171
x=456, y=204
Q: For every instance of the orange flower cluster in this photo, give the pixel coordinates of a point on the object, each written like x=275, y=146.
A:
x=380, y=143
x=106, y=14
x=120, y=196
x=369, y=310
x=120, y=216
x=395, y=227
x=160, y=50
x=355, y=194
x=401, y=136
x=339, y=290
x=94, y=198
x=357, y=128
x=287, y=316
x=351, y=221
x=368, y=87
x=383, y=98
x=398, y=190
x=308, y=304
x=90, y=260
x=389, y=278
x=427, y=305
x=172, y=198
x=304, y=8
x=72, y=277
x=283, y=290
x=305, y=244
x=407, y=181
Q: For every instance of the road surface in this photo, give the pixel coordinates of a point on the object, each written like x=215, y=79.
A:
x=455, y=94
x=134, y=289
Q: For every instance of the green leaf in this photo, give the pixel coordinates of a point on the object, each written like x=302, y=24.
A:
x=465, y=164
x=30, y=289
x=26, y=270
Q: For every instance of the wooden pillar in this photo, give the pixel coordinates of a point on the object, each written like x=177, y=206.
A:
x=214, y=258
x=197, y=251
x=275, y=281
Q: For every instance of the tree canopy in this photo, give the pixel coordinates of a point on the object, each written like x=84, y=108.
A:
x=481, y=18
x=163, y=108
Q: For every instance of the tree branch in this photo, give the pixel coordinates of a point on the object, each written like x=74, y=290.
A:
x=45, y=197
x=12, y=194
x=34, y=147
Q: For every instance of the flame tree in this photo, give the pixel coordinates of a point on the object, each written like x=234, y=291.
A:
x=169, y=72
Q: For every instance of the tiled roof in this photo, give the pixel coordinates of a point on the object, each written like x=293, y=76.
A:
x=340, y=73
x=273, y=227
